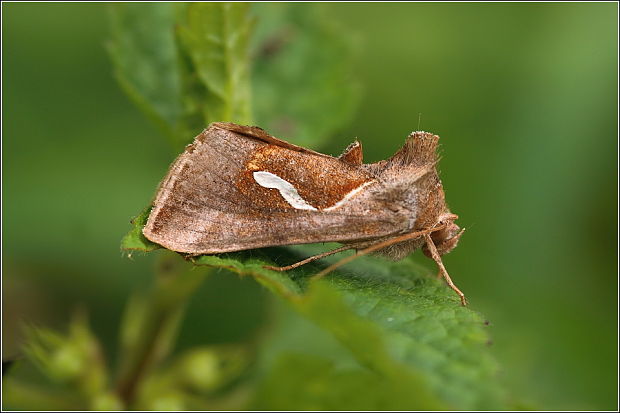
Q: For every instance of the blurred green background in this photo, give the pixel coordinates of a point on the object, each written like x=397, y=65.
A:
x=524, y=97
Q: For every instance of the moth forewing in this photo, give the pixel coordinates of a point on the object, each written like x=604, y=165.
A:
x=213, y=200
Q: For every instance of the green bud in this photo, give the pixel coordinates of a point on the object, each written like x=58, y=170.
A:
x=66, y=362
x=167, y=402
x=106, y=401
x=201, y=369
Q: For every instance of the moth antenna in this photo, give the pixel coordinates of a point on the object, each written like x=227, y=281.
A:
x=376, y=247
x=419, y=119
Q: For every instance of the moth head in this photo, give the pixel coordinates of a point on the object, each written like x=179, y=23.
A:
x=446, y=238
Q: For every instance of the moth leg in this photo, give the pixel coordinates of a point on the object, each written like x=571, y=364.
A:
x=442, y=269
x=309, y=259
x=374, y=248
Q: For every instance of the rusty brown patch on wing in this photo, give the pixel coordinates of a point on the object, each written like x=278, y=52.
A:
x=320, y=181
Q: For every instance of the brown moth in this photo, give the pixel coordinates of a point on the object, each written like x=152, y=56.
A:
x=238, y=188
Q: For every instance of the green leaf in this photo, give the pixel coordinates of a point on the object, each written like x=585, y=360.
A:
x=397, y=322
x=215, y=37
x=422, y=326
x=144, y=54
x=303, y=382
x=302, y=82
x=184, y=65
x=135, y=240
x=74, y=358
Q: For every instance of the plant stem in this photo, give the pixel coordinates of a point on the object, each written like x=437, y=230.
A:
x=150, y=334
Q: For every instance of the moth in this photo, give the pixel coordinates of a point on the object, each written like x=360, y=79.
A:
x=238, y=188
